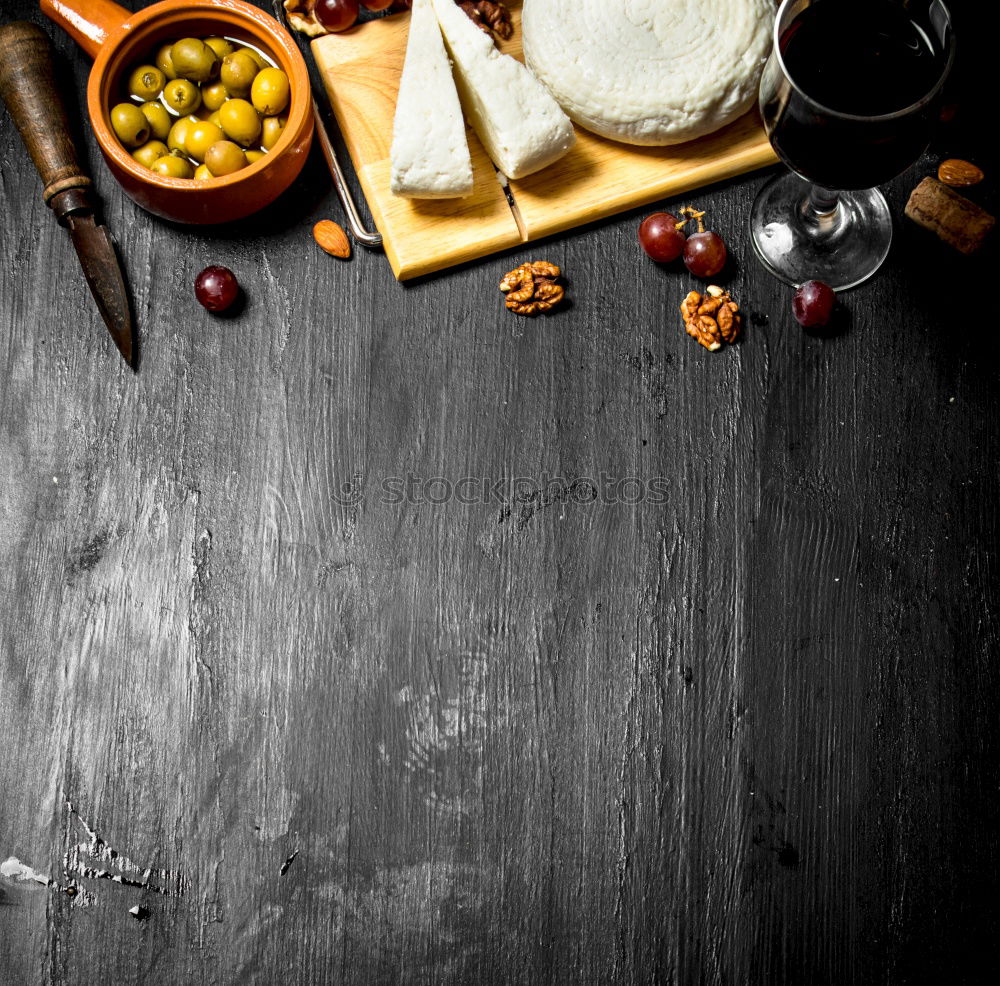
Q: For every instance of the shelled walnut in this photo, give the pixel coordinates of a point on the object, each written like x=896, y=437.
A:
x=301, y=16
x=531, y=289
x=492, y=16
x=712, y=318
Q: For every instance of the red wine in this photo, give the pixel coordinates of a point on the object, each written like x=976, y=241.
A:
x=863, y=58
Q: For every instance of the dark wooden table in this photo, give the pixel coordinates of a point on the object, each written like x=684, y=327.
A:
x=734, y=721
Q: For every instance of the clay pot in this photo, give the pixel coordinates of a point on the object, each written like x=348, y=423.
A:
x=118, y=40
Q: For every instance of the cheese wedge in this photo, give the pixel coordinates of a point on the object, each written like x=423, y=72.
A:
x=430, y=152
x=649, y=71
x=519, y=123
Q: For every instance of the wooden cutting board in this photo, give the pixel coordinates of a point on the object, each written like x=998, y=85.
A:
x=361, y=69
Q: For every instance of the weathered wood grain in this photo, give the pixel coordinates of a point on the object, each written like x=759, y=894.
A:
x=743, y=735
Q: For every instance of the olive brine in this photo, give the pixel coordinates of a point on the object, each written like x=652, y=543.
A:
x=202, y=108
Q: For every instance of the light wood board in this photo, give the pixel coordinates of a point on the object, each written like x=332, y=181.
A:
x=598, y=178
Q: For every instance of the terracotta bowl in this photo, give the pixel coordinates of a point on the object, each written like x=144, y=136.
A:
x=118, y=40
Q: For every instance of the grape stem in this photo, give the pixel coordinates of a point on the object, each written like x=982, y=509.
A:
x=691, y=213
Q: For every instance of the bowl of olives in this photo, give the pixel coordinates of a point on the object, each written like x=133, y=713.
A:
x=202, y=110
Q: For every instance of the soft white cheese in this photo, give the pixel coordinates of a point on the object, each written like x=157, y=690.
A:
x=430, y=151
x=519, y=123
x=649, y=71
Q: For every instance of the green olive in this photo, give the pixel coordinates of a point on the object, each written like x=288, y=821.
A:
x=178, y=133
x=213, y=96
x=150, y=152
x=224, y=158
x=129, y=123
x=193, y=59
x=173, y=166
x=238, y=72
x=220, y=46
x=201, y=173
x=271, y=131
x=164, y=62
x=200, y=137
x=270, y=92
x=254, y=156
x=158, y=118
x=146, y=82
x=240, y=121
x=182, y=96
x=261, y=61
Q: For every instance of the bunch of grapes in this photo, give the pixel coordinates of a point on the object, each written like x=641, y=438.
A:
x=663, y=238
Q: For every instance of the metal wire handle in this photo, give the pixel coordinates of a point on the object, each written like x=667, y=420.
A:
x=360, y=232
x=371, y=240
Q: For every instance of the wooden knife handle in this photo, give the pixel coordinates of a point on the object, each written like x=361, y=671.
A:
x=27, y=86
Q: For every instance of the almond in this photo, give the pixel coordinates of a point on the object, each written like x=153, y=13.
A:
x=959, y=173
x=332, y=239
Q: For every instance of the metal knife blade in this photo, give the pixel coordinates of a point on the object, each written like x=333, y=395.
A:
x=104, y=275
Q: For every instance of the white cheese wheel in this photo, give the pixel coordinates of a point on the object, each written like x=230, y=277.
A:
x=517, y=120
x=430, y=152
x=649, y=71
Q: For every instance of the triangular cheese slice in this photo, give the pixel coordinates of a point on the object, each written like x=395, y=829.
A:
x=430, y=151
x=519, y=123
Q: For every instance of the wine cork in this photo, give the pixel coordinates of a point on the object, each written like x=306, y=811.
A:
x=949, y=215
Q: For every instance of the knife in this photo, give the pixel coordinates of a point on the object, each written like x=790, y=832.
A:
x=27, y=86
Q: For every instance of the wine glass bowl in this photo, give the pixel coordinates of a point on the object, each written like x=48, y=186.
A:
x=848, y=98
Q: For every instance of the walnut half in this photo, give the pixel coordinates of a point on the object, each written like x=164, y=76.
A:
x=531, y=289
x=302, y=17
x=712, y=318
x=490, y=16
x=493, y=17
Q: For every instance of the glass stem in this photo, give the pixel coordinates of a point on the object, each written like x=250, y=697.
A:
x=822, y=201
x=821, y=211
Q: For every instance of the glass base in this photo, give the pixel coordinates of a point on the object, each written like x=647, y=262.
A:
x=800, y=236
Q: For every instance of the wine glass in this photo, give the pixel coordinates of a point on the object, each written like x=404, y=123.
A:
x=848, y=98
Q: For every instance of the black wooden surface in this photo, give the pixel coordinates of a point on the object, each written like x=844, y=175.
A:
x=743, y=731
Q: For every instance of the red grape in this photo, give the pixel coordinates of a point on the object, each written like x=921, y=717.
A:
x=812, y=305
x=375, y=4
x=705, y=254
x=216, y=288
x=660, y=237
x=336, y=15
